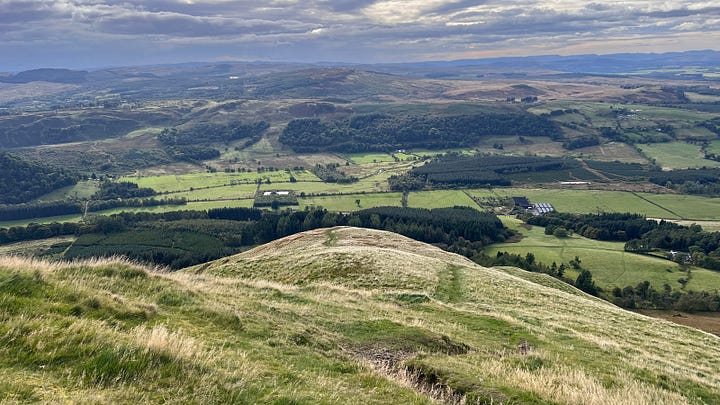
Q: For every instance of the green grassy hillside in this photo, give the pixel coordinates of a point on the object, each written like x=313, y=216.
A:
x=341, y=315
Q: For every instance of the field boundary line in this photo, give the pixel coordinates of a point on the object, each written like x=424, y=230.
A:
x=658, y=205
x=472, y=198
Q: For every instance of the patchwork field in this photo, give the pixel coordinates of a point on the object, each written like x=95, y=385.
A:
x=610, y=265
x=185, y=182
x=581, y=201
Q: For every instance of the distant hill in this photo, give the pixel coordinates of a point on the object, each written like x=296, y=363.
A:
x=341, y=82
x=65, y=76
x=554, y=65
x=340, y=315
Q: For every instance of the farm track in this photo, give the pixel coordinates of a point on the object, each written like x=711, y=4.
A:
x=594, y=171
x=624, y=267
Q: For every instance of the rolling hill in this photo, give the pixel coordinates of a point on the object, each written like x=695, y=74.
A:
x=339, y=315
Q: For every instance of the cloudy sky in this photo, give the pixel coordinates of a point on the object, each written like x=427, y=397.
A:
x=92, y=33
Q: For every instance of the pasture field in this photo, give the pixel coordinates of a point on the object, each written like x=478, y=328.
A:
x=370, y=185
x=82, y=190
x=687, y=206
x=190, y=206
x=676, y=155
x=714, y=147
x=609, y=264
x=427, y=152
x=37, y=247
x=708, y=226
x=694, y=132
x=43, y=220
x=676, y=115
x=345, y=203
x=220, y=193
x=365, y=158
x=581, y=201
x=405, y=156
x=439, y=199
x=385, y=169
x=185, y=182
x=601, y=115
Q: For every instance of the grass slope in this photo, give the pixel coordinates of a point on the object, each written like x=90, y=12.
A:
x=339, y=315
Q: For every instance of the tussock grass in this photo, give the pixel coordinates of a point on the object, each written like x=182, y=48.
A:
x=371, y=317
x=161, y=340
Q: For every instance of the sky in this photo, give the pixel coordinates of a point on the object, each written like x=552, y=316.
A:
x=93, y=34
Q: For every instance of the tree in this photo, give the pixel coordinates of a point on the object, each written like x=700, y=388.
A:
x=560, y=232
x=530, y=258
x=575, y=263
x=561, y=270
x=584, y=282
x=357, y=202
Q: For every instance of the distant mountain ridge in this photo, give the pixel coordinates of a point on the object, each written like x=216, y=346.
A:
x=581, y=63
x=66, y=76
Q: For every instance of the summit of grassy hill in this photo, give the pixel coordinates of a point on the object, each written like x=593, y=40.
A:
x=338, y=315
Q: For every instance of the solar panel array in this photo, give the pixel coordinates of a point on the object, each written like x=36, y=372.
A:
x=542, y=208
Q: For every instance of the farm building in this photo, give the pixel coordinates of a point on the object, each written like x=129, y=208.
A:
x=522, y=202
x=267, y=193
x=275, y=198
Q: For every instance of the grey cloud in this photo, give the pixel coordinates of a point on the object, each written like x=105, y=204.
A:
x=456, y=6
x=189, y=26
x=20, y=12
x=345, y=6
x=287, y=29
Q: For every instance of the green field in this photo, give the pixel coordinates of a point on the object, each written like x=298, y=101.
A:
x=676, y=155
x=191, y=206
x=370, y=185
x=714, y=147
x=687, y=206
x=610, y=265
x=670, y=206
x=345, y=203
x=81, y=190
x=582, y=201
x=439, y=199
x=219, y=193
x=185, y=182
x=364, y=158
x=44, y=220
x=708, y=226
x=405, y=156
